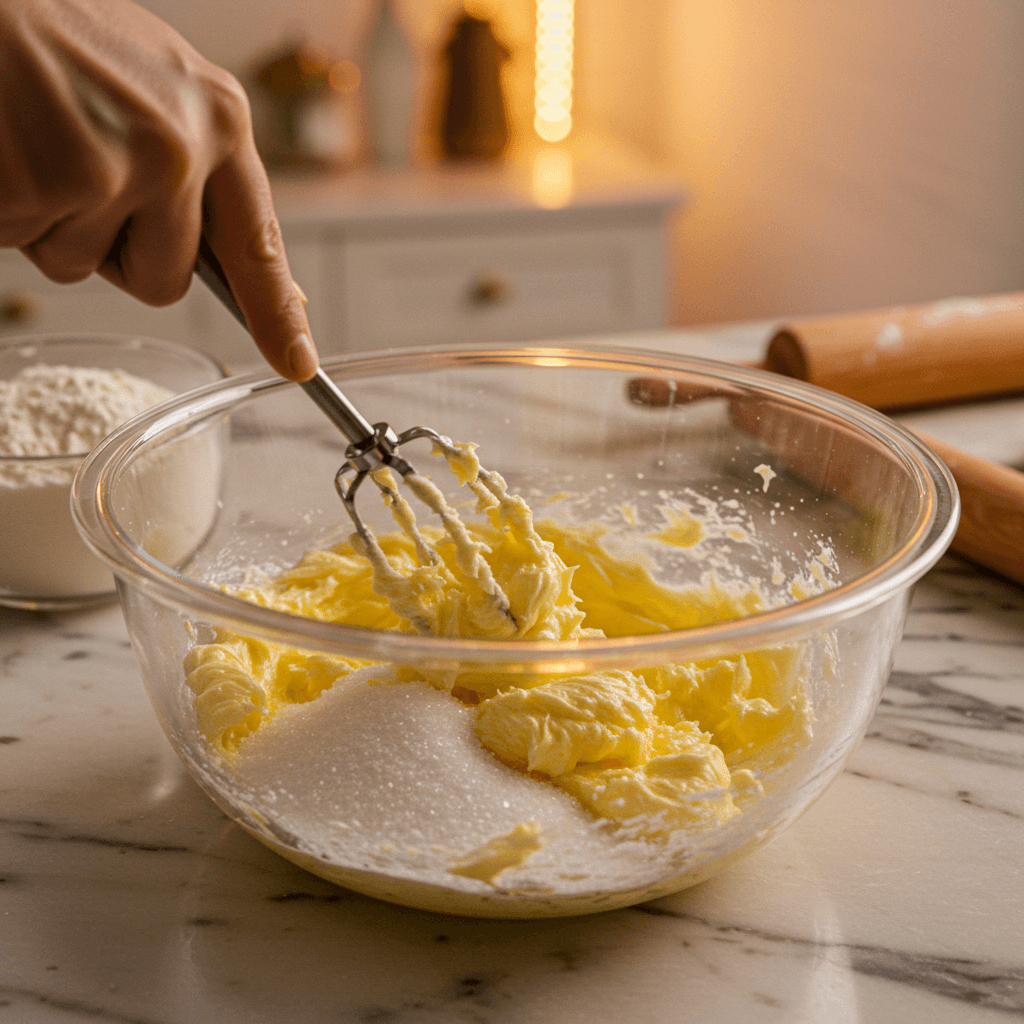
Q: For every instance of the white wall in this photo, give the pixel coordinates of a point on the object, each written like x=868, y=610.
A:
x=235, y=32
x=842, y=153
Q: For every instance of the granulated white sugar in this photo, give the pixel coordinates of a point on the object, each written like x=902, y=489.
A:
x=391, y=778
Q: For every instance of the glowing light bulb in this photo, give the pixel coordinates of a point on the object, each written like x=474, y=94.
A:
x=552, y=88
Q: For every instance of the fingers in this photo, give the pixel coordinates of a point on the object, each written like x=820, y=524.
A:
x=244, y=234
x=77, y=244
x=154, y=253
x=60, y=179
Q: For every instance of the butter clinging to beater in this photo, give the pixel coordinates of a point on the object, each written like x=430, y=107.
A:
x=660, y=748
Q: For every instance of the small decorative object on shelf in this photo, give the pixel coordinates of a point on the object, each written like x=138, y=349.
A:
x=390, y=89
x=474, y=121
x=309, y=120
x=18, y=308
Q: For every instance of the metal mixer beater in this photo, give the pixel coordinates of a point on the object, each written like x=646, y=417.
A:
x=373, y=452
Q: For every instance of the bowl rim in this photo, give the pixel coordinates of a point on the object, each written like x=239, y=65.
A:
x=114, y=341
x=927, y=539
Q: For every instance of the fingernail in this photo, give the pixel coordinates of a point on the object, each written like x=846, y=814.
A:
x=301, y=294
x=302, y=358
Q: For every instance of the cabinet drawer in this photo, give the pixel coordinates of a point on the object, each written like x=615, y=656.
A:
x=506, y=287
x=30, y=303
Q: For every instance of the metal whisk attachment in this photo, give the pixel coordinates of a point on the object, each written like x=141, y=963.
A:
x=375, y=457
x=372, y=452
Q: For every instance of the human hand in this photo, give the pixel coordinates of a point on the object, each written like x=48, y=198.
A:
x=119, y=146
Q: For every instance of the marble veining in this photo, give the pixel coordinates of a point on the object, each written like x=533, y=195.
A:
x=972, y=981
x=127, y=897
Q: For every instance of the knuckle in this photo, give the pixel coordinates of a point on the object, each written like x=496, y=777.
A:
x=162, y=289
x=108, y=181
x=172, y=159
x=208, y=116
x=229, y=103
x=100, y=181
x=90, y=171
x=265, y=243
x=166, y=148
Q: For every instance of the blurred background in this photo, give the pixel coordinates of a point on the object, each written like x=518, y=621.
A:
x=798, y=157
x=836, y=155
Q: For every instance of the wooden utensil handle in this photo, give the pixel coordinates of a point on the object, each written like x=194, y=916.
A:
x=658, y=392
x=991, y=527
x=946, y=351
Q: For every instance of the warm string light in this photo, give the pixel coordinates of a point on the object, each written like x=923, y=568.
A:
x=552, y=91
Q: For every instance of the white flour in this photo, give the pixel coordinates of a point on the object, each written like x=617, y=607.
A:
x=47, y=412
x=68, y=410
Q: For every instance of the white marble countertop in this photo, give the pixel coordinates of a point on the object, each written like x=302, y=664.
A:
x=126, y=897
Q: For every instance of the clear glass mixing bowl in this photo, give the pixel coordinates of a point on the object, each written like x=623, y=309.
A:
x=238, y=477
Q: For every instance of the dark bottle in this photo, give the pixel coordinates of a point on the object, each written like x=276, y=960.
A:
x=474, y=122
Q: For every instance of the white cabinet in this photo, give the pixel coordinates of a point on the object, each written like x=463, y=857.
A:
x=512, y=286
x=424, y=256
x=454, y=254
x=30, y=304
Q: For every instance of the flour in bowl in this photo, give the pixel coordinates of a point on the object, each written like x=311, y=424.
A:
x=50, y=418
x=68, y=410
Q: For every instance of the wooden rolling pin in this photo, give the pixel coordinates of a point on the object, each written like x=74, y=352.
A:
x=949, y=351
x=991, y=530
x=909, y=356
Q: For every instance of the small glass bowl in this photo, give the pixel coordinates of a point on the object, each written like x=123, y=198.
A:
x=44, y=565
x=798, y=480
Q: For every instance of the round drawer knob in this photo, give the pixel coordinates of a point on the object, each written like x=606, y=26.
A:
x=18, y=308
x=491, y=290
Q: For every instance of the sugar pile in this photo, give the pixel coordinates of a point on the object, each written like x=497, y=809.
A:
x=47, y=413
x=390, y=777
